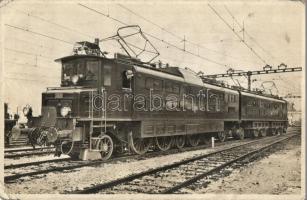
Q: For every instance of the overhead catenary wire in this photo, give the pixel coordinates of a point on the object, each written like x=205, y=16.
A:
x=179, y=37
x=252, y=38
x=285, y=86
x=244, y=42
x=155, y=37
x=14, y=39
x=28, y=53
x=56, y=24
x=28, y=65
x=37, y=33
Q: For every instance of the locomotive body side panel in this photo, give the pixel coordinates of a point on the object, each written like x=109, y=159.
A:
x=255, y=108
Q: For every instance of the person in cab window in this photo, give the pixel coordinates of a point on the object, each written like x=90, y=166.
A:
x=126, y=78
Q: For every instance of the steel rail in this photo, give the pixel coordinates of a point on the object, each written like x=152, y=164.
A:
x=110, y=184
x=218, y=168
x=121, y=158
x=25, y=149
x=93, y=163
x=14, y=166
x=28, y=154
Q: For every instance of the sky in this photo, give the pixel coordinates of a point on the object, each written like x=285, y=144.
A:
x=273, y=29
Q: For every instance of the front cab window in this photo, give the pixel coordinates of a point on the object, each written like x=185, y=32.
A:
x=91, y=70
x=79, y=72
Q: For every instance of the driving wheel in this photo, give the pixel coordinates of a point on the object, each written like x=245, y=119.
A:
x=255, y=133
x=106, y=147
x=164, y=143
x=221, y=136
x=180, y=141
x=193, y=140
x=140, y=145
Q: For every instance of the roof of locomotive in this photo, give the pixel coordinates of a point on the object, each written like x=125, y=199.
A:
x=187, y=76
x=173, y=73
x=262, y=97
x=67, y=58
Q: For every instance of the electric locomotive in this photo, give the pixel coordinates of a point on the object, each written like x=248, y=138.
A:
x=112, y=105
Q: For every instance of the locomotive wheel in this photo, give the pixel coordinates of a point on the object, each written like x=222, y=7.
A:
x=279, y=131
x=66, y=147
x=262, y=132
x=193, y=140
x=239, y=133
x=106, y=147
x=180, y=141
x=140, y=145
x=255, y=133
x=273, y=132
x=164, y=143
x=52, y=134
x=222, y=136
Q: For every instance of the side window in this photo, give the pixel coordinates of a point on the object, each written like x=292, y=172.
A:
x=127, y=78
x=149, y=83
x=107, y=75
x=157, y=84
x=168, y=86
x=176, y=88
x=154, y=84
x=221, y=97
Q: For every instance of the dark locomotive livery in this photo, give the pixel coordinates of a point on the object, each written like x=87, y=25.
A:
x=107, y=106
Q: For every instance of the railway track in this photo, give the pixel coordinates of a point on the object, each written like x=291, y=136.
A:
x=14, y=150
x=27, y=164
x=67, y=164
x=171, y=178
x=25, y=153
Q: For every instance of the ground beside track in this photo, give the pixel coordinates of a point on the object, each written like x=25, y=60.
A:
x=33, y=158
x=63, y=182
x=279, y=173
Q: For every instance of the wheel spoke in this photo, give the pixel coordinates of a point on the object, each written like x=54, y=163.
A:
x=106, y=141
x=163, y=143
x=193, y=140
x=255, y=133
x=180, y=141
x=221, y=136
x=140, y=145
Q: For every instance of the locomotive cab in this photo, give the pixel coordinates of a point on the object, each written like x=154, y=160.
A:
x=75, y=113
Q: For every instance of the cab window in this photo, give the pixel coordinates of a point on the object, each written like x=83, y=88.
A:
x=127, y=79
x=91, y=71
x=107, y=75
